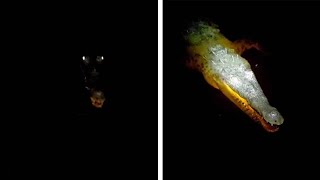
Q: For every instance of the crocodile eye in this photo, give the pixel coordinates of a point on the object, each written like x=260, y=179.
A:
x=100, y=59
x=85, y=59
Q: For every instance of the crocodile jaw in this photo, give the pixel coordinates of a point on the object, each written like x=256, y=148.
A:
x=232, y=75
x=244, y=105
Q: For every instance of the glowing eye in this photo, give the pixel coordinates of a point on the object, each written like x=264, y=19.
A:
x=86, y=59
x=100, y=58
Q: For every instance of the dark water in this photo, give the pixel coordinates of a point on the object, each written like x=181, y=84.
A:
x=205, y=134
x=62, y=135
x=48, y=130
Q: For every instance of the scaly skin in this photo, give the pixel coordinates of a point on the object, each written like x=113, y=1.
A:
x=219, y=60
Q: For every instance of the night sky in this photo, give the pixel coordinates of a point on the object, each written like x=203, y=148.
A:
x=204, y=133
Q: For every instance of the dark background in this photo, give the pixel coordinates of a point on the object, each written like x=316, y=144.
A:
x=57, y=133
x=205, y=135
x=47, y=129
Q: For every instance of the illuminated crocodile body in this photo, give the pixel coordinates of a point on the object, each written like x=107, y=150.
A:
x=222, y=66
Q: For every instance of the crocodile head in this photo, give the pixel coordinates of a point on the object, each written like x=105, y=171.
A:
x=223, y=68
x=92, y=69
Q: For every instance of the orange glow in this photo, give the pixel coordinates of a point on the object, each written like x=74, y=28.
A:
x=245, y=107
x=97, y=99
x=242, y=45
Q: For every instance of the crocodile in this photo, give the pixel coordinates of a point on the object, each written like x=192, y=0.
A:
x=222, y=66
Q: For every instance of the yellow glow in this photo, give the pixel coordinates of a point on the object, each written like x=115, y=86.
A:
x=245, y=106
x=200, y=57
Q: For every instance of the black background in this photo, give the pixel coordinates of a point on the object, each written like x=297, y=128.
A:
x=205, y=135
x=47, y=131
